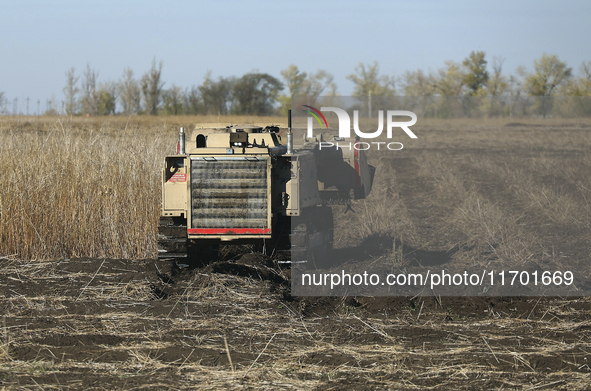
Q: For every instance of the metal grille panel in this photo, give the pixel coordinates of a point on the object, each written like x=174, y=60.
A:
x=229, y=193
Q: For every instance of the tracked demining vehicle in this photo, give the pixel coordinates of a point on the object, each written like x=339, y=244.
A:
x=242, y=185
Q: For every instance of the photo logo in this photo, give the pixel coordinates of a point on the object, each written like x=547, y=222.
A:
x=345, y=122
x=315, y=116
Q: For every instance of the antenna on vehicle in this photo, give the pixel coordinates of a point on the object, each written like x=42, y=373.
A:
x=289, y=134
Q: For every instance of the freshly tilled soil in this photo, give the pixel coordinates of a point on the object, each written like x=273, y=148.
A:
x=121, y=324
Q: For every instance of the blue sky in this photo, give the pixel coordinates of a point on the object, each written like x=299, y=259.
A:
x=40, y=40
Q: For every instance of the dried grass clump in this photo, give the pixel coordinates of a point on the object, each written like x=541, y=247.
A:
x=73, y=188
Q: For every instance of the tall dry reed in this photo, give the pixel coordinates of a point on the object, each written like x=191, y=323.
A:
x=80, y=187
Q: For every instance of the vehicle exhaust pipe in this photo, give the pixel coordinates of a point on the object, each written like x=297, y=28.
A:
x=181, y=150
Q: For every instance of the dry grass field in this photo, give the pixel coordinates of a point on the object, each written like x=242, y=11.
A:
x=85, y=305
x=82, y=186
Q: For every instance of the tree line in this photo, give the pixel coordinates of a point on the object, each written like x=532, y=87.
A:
x=256, y=93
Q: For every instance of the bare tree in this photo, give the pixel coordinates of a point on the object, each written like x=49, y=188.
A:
x=497, y=89
x=129, y=92
x=2, y=103
x=497, y=84
x=585, y=78
x=89, y=101
x=70, y=91
x=586, y=70
x=152, y=88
